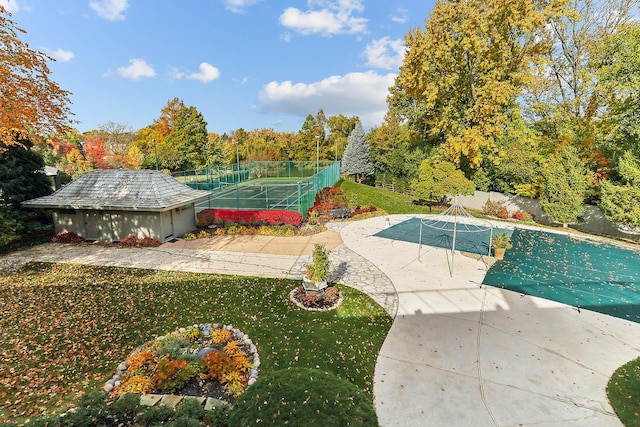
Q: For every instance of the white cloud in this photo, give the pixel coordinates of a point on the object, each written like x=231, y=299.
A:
x=138, y=69
x=326, y=17
x=239, y=6
x=10, y=6
x=385, y=53
x=354, y=94
x=175, y=74
x=112, y=10
x=62, y=55
x=208, y=73
x=401, y=16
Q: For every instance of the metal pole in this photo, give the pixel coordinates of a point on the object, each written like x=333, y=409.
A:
x=317, y=154
x=155, y=152
x=238, y=160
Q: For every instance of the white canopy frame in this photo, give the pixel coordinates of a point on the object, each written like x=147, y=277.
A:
x=456, y=219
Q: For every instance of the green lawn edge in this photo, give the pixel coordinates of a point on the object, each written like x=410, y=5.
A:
x=623, y=391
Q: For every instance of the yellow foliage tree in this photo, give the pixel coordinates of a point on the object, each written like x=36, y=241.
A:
x=468, y=66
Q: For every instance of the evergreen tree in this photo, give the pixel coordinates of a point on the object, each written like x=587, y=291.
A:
x=187, y=140
x=356, y=159
x=21, y=179
x=565, y=187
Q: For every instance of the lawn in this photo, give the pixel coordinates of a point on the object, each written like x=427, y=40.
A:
x=65, y=328
x=390, y=202
x=624, y=393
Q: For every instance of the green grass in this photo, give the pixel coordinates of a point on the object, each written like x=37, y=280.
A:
x=390, y=202
x=65, y=328
x=624, y=393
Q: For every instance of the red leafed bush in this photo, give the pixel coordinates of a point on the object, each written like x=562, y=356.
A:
x=279, y=217
x=149, y=242
x=503, y=213
x=522, y=216
x=359, y=210
x=249, y=217
x=66, y=237
x=206, y=217
x=129, y=241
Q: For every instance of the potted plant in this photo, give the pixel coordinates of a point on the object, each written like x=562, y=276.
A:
x=501, y=243
x=317, y=271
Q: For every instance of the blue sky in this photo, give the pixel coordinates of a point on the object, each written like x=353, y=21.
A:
x=241, y=63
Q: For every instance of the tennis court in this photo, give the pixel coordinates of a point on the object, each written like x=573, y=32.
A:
x=278, y=187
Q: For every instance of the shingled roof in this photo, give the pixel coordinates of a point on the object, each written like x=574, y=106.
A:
x=124, y=190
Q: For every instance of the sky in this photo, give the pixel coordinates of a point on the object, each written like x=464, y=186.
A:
x=247, y=64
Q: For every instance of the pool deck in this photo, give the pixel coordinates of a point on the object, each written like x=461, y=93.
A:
x=458, y=353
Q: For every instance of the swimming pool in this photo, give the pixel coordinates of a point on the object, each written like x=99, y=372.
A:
x=583, y=273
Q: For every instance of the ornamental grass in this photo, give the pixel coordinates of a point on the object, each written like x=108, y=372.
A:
x=65, y=328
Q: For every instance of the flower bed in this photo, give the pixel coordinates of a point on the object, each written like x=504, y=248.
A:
x=207, y=360
x=330, y=299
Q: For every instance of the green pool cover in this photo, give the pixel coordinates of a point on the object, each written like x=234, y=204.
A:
x=596, y=276
x=475, y=241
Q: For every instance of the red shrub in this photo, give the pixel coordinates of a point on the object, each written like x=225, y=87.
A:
x=249, y=217
x=206, y=217
x=503, y=213
x=66, y=237
x=148, y=242
x=128, y=241
x=522, y=215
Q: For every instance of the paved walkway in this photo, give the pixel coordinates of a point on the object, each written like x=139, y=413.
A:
x=457, y=354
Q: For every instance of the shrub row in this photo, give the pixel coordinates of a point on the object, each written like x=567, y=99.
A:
x=132, y=241
x=499, y=210
x=248, y=217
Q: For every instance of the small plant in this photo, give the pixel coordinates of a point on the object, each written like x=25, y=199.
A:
x=189, y=236
x=136, y=384
x=221, y=336
x=503, y=213
x=128, y=241
x=492, y=208
x=218, y=364
x=502, y=241
x=171, y=375
x=318, y=269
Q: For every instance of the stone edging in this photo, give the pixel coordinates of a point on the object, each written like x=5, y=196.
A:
x=174, y=400
x=302, y=306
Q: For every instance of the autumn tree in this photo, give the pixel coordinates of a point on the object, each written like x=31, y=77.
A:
x=617, y=62
x=468, y=66
x=620, y=201
x=356, y=159
x=31, y=104
x=340, y=127
x=565, y=186
x=311, y=133
x=95, y=152
x=438, y=178
x=562, y=97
